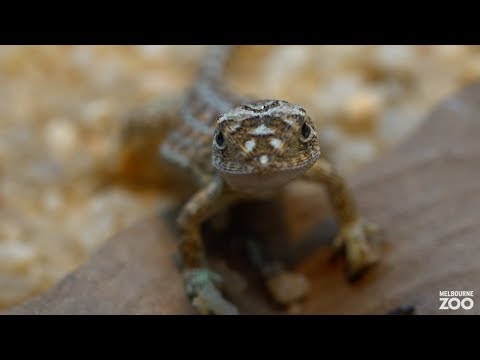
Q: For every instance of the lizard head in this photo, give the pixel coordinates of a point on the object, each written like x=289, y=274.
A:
x=262, y=145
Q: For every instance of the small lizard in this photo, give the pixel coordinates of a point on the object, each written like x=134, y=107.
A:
x=237, y=149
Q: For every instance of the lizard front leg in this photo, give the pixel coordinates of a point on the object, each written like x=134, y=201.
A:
x=202, y=285
x=355, y=233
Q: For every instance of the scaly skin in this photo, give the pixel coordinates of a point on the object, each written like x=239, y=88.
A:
x=237, y=149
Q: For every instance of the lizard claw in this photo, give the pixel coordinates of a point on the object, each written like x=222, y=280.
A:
x=202, y=288
x=355, y=239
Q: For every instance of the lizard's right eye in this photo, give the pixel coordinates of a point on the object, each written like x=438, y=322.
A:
x=220, y=140
x=306, y=132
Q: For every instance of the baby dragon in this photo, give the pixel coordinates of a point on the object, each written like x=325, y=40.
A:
x=236, y=149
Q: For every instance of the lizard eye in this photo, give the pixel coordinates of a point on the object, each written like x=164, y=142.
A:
x=306, y=131
x=219, y=140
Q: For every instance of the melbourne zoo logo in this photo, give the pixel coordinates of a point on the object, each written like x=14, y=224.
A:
x=454, y=300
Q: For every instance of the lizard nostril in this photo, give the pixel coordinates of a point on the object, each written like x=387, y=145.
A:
x=264, y=159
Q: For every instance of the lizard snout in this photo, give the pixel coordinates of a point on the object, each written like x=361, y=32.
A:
x=263, y=160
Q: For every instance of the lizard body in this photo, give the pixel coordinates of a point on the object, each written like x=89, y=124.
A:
x=236, y=149
x=189, y=144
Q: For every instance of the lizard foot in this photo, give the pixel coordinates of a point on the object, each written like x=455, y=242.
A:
x=288, y=287
x=355, y=239
x=202, y=288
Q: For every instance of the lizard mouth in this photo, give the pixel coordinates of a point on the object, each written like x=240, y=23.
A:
x=266, y=178
x=264, y=167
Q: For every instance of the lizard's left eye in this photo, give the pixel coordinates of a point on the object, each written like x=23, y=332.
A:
x=220, y=140
x=306, y=131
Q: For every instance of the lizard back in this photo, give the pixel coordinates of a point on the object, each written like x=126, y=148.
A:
x=189, y=144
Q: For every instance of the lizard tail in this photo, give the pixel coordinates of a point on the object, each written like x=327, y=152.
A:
x=214, y=64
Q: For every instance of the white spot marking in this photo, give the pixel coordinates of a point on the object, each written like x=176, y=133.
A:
x=234, y=127
x=287, y=121
x=250, y=145
x=262, y=130
x=276, y=143
x=264, y=159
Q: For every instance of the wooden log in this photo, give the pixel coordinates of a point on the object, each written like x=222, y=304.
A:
x=425, y=194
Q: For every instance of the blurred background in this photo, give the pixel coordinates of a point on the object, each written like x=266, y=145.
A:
x=64, y=186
